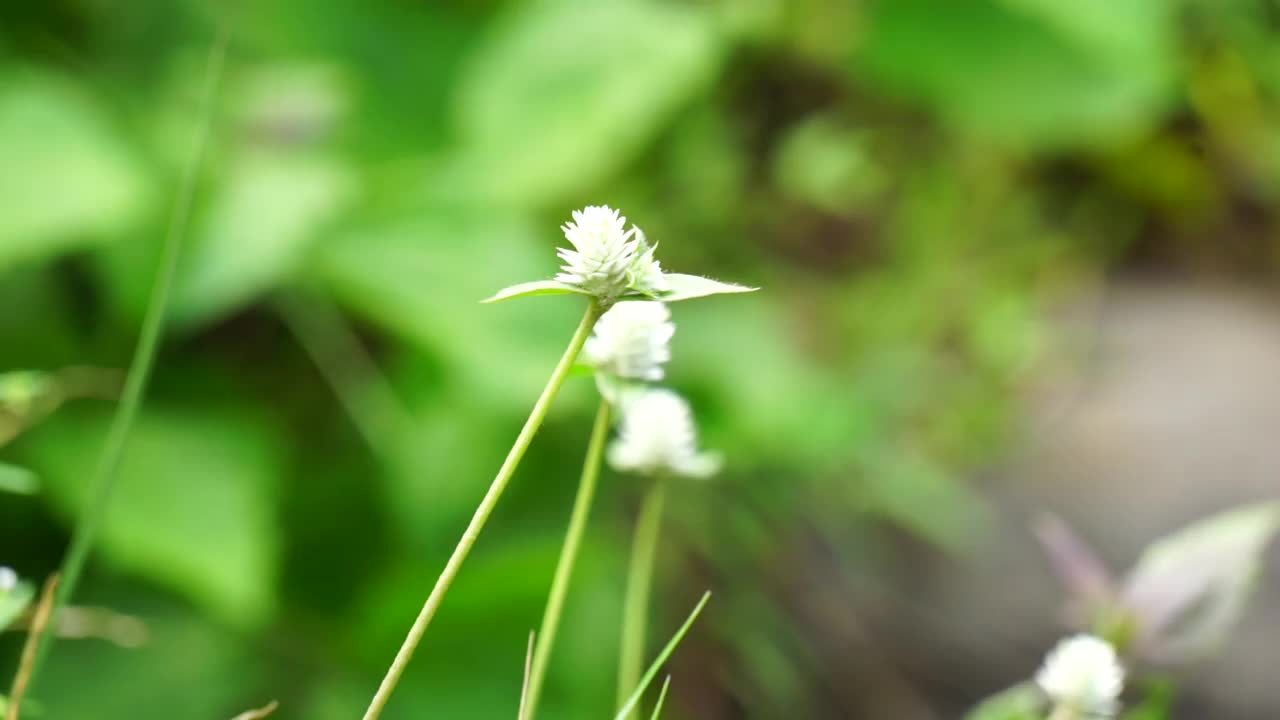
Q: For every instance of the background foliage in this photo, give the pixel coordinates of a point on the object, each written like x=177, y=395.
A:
x=913, y=182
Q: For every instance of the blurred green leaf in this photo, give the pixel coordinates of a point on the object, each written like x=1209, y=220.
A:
x=1027, y=70
x=15, y=601
x=17, y=480
x=1189, y=588
x=68, y=179
x=263, y=217
x=564, y=93
x=195, y=506
x=419, y=276
x=537, y=287
x=1020, y=702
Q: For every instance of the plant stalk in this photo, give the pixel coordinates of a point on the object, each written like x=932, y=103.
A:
x=568, y=553
x=103, y=481
x=481, y=516
x=1064, y=711
x=635, y=609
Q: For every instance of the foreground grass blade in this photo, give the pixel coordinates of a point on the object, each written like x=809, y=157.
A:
x=649, y=674
x=102, y=483
x=523, y=712
x=662, y=698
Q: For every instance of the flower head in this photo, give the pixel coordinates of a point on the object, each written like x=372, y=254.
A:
x=658, y=435
x=8, y=580
x=632, y=340
x=1084, y=674
x=607, y=260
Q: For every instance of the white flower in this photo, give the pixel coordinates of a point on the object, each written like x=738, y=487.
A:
x=8, y=580
x=1084, y=674
x=658, y=436
x=607, y=260
x=632, y=340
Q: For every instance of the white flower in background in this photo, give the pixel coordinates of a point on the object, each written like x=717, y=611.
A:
x=607, y=260
x=1084, y=674
x=8, y=580
x=632, y=340
x=657, y=436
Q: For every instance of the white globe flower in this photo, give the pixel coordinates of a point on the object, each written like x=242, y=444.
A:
x=632, y=340
x=8, y=580
x=607, y=260
x=1084, y=674
x=657, y=436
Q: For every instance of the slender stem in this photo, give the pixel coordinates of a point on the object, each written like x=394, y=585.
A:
x=569, y=553
x=361, y=388
x=39, y=621
x=635, y=609
x=102, y=483
x=482, y=513
x=1064, y=711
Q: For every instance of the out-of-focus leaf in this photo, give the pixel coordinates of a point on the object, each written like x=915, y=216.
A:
x=922, y=497
x=1020, y=702
x=537, y=287
x=68, y=180
x=170, y=677
x=17, y=480
x=14, y=602
x=1027, y=70
x=1189, y=588
x=262, y=219
x=419, y=276
x=194, y=507
x=564, y=94
x=687, y=287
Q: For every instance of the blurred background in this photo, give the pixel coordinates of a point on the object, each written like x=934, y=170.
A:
x=1017, y=256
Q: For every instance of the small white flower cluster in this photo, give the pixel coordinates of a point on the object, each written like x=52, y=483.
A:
x=630, y=344
x=658, y=436
x=8, y=580
x=607, y=260
x=632, y=340
x=1084, y=674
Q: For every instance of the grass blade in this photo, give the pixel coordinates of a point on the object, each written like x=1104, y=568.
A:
x=662, y=658
x=662, y=698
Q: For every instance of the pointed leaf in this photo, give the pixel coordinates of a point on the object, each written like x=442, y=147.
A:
x=19, y=481
x=1020, y=702
x=1076, y=564
x=1188, y=589
x=662, y=698
x=649, y=674
x=537, y=287
x=686, y=287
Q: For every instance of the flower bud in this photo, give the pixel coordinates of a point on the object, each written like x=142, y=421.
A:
x=1083, y=674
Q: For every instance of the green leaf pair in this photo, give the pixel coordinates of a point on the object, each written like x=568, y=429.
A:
x=681, y=287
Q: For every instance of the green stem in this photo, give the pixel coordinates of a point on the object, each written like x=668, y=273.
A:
x=103, y=481
x=568, y=554
x=1064, y=712
x=635, y=608
x=482, y=513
